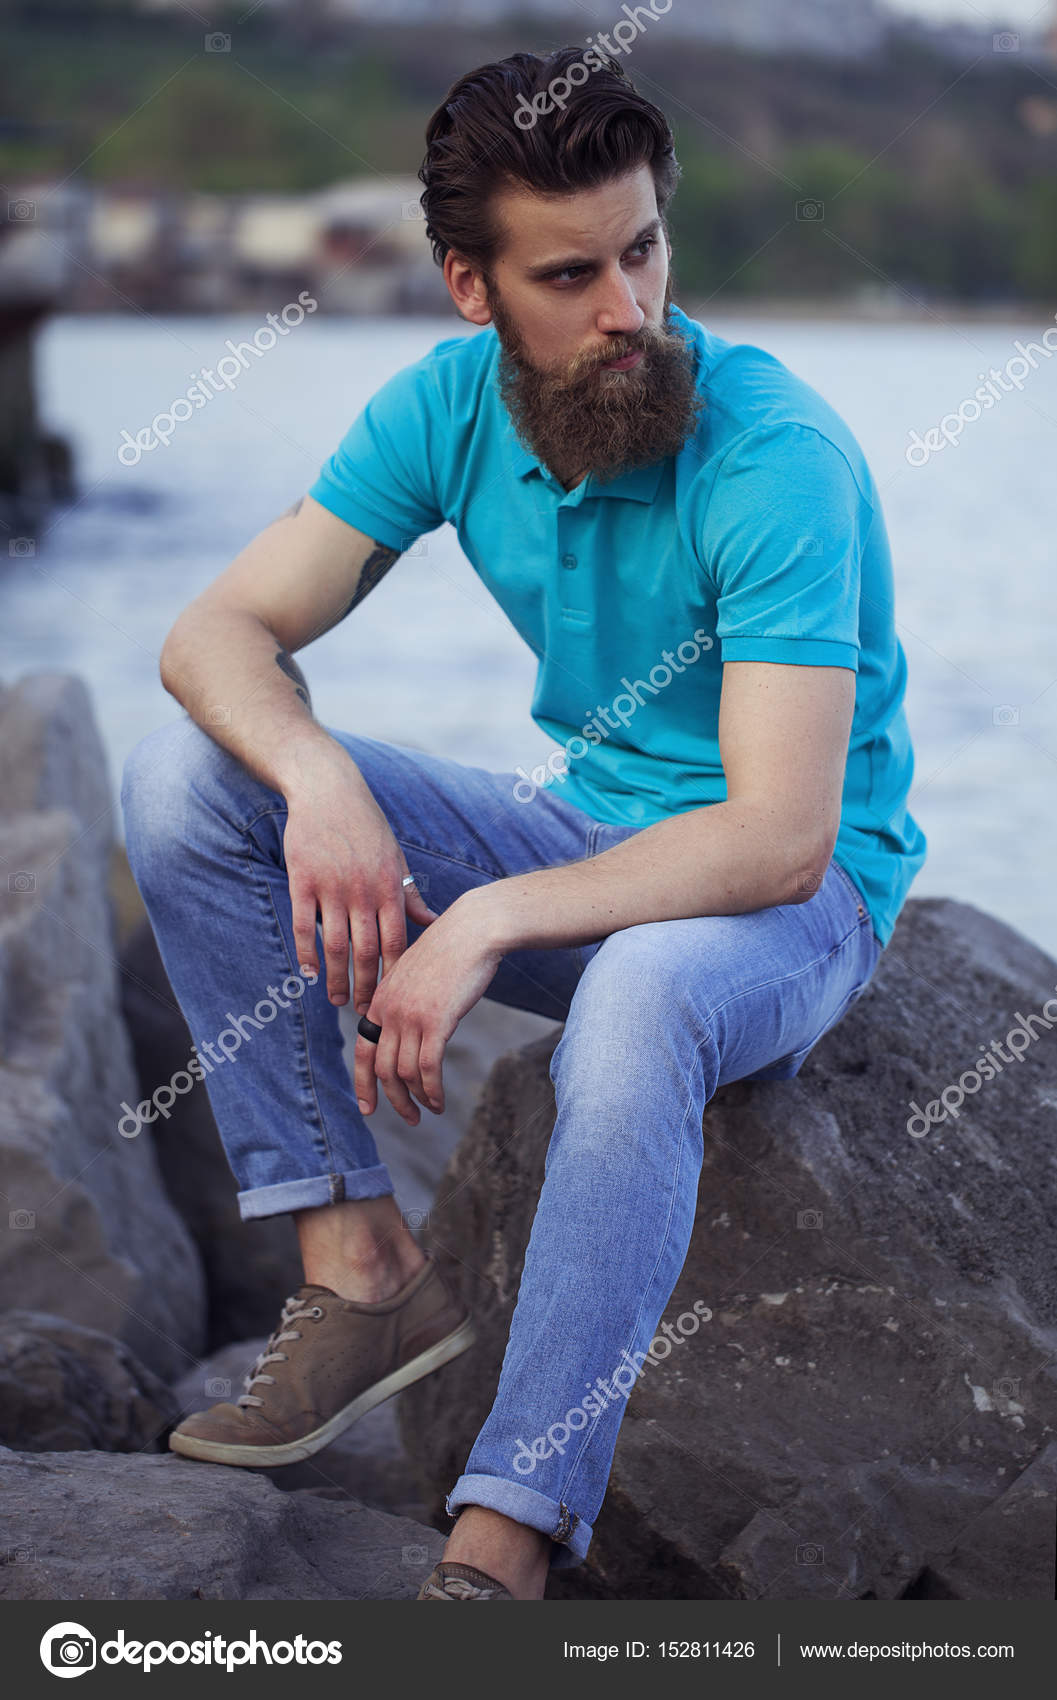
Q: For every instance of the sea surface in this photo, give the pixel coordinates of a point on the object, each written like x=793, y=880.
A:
x=429, y=659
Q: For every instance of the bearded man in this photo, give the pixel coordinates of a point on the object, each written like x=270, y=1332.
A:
x=699, y=883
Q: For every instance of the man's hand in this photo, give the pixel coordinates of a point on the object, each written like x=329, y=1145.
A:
x=342, y=860
x=418, y=1006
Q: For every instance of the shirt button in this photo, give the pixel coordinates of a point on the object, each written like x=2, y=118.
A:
x=568, y=560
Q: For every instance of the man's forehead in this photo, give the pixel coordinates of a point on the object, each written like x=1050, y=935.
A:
x=590, y=218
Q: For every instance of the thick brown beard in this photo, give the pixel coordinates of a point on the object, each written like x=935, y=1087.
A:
x=583, y=419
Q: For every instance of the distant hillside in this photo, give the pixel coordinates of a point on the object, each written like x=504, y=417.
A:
x=802, y=175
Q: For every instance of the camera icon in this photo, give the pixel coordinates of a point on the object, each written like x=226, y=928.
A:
x=809, y=545
x=24, y=1555
x=1006, y=41
x=21, y=546
x=809, y=1553
x=24, y=1219
x=218, y=714
x=217, y=1388
x=68, y=1649
x=809, y=1218
x=415, y=546
x=417, y=1556
x=809, y=883
x=416, y=1219
x=22, y=212
x=218, y=44
x=811, y=212
x=1006, y=714
x=21, y=881
x=1007, y=1388
x=413, y=210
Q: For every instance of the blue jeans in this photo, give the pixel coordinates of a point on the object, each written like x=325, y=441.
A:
x=656, y=1018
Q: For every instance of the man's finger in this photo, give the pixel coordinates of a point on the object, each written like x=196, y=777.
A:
x=364, y=1081
x=336, y=950
x=364, y=930
x=417, y=907
x=386, y=1068
x=431, y=1065
x=303, y=918
x=392, y=931
x=408, y=1066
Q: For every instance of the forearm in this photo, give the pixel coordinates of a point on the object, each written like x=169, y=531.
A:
x=238, y=682
x=727, y=859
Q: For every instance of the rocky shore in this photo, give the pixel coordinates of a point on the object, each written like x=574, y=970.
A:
x=869, y=1410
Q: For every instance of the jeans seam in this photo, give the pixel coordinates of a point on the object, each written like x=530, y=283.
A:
x=780, y=980
x=444, y=856
x=575, y=1463
x=327, y=1154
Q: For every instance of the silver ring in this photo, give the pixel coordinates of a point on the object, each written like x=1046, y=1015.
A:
x=408, y=879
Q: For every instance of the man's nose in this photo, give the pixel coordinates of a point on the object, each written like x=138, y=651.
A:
x=618, y=312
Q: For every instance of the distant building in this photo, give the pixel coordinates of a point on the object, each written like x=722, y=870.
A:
x=372, y=254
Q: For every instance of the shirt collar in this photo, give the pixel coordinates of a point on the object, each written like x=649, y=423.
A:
x=638, y=485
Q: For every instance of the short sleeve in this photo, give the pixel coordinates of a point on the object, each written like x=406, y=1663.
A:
x=381, y=477
x=782, y=539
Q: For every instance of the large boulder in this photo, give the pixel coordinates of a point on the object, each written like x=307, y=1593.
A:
x=65, y=1388
x=102, y=1526
x=87, y=1232
x=869, y=1411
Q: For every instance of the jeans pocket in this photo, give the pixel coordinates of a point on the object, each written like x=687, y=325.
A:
x=853, y=891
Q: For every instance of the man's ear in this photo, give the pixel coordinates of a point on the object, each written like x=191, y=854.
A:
x=466, y=286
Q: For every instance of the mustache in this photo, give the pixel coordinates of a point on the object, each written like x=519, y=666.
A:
x=593, y=360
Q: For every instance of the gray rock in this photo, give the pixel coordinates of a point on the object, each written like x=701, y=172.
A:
x=99, y=1526
x=993, y=1549
x=368, y=1462
x=86, y=1231
x=876, y=1386
x=64, y=1388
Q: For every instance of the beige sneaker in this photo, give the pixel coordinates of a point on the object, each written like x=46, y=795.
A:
x=461, y=1582
x=331, y=1361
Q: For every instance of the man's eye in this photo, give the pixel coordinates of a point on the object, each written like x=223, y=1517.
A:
x=570, y=274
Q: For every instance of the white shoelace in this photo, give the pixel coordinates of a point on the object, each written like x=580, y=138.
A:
x=292, y=1307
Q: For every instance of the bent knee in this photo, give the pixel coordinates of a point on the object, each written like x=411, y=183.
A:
x=640, y=968
x=166, y=778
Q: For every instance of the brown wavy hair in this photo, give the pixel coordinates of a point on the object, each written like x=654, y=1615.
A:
x=474, y=146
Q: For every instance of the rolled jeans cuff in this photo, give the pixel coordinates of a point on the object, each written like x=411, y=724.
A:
x=314, y=1190
x=571, y=1536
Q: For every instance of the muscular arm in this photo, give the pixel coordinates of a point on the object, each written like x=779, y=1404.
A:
x=783, y=734
x=229, y=658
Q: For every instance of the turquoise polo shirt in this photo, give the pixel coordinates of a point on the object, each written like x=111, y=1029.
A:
x=761, y=540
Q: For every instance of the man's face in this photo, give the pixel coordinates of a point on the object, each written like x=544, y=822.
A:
x=579, y=296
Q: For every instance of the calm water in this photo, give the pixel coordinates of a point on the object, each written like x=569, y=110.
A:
x=429, y=659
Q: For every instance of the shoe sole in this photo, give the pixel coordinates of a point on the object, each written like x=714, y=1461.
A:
x=293, y=1451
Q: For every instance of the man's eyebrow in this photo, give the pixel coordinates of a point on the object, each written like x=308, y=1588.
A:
x=548, y=266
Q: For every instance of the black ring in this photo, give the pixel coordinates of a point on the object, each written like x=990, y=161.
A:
x=369, y=1030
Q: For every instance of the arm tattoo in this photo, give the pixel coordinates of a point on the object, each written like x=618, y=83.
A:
x=373, y=571
x=285, y=661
